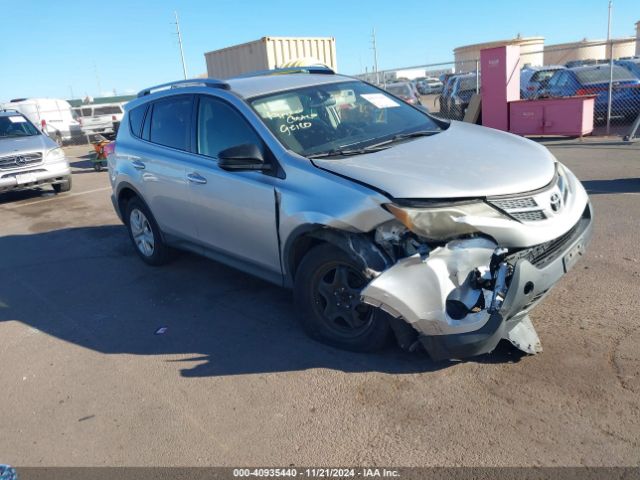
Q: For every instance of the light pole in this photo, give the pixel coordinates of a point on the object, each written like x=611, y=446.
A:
x=610, y=44
x=184, y=65
x=375, y=56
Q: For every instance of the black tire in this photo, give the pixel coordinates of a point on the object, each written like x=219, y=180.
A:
x=97, y=166
x=350, y=325
x=64, y=186
x=143, y=228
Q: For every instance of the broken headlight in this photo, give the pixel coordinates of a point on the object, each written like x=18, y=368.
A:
x=443, y=222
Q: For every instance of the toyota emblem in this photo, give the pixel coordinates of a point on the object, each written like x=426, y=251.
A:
x=556, y=202
x=21, y=160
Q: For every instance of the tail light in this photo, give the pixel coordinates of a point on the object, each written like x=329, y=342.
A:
x=590, y=91
x=109, y=148
x=43, y=123
x=80, y=121
x=113, y=117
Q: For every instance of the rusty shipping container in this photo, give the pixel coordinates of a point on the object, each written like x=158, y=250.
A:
x=269, y=53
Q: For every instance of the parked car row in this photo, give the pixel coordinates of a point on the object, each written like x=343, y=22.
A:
x=64, y=124
x=591, y=79
x=594, y=80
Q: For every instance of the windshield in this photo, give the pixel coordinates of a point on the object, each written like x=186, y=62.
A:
x=349, y=115
x=16, y=126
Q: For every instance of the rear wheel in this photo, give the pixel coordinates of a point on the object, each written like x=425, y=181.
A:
x=64, y=186
x=327, y=293
x=145, y=234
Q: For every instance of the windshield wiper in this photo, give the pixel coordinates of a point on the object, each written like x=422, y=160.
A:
x=376, y=147
x=403, y=136
x=339, y=152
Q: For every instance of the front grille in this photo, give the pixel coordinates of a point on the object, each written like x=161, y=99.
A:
x=515, y=203
x=529, y=216
x=545, y=253
x=534, y=206
x=20, y=160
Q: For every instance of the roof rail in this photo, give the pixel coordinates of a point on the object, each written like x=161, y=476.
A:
x=194, y=82
x=289, y=70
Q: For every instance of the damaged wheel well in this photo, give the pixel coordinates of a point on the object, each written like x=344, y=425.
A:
x=360, y=246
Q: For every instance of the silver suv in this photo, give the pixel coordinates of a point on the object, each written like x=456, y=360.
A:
x=379, y=216
x=28, y=157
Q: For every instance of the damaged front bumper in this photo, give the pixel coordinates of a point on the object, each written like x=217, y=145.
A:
x=454, y=300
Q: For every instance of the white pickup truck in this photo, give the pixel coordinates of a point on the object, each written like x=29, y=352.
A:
x=98, y=118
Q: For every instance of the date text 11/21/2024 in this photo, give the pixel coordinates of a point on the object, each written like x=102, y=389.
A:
x=317, y=472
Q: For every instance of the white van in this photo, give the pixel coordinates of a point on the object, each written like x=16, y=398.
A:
x=99, y=118
x=52, y=115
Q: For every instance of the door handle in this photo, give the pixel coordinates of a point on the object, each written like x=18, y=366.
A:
x=138, y=164
x=196, y=178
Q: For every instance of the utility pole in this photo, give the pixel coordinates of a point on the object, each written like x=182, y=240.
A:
x=375, y=55
x=184, y=65
x=610, y=44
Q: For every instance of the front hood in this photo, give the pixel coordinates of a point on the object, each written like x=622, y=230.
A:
x=463, y=161
x=34, y=143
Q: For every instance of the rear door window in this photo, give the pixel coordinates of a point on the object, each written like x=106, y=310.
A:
x=171, y=122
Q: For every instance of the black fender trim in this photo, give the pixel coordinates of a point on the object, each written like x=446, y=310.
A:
x=358, y=245
x=463, y=345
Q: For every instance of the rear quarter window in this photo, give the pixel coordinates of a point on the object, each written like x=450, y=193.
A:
x=136, y=117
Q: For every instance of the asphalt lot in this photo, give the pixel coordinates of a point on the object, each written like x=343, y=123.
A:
x=234, y=381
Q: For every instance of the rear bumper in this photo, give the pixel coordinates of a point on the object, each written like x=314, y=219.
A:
x=34, y=176
x=529, y=284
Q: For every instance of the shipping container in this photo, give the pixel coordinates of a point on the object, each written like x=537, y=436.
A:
x=269, y=53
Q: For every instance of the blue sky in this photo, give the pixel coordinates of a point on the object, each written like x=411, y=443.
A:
x=51, y=48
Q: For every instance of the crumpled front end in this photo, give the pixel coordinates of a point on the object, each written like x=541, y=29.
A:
x=464, y=295
x=453, y=298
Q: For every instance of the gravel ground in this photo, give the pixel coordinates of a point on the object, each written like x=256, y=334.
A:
x=234, y=381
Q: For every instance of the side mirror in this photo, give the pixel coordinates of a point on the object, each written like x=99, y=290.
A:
x=242, y=157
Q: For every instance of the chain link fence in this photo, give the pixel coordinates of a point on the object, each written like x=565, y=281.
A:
x=583, y=69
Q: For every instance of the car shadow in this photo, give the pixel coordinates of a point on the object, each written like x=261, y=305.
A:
x=618, y=185
x=28, y=194
x=83, y=164
x=86, y=286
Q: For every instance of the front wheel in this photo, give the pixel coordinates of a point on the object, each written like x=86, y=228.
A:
x=65, y=186
x=327, y=293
